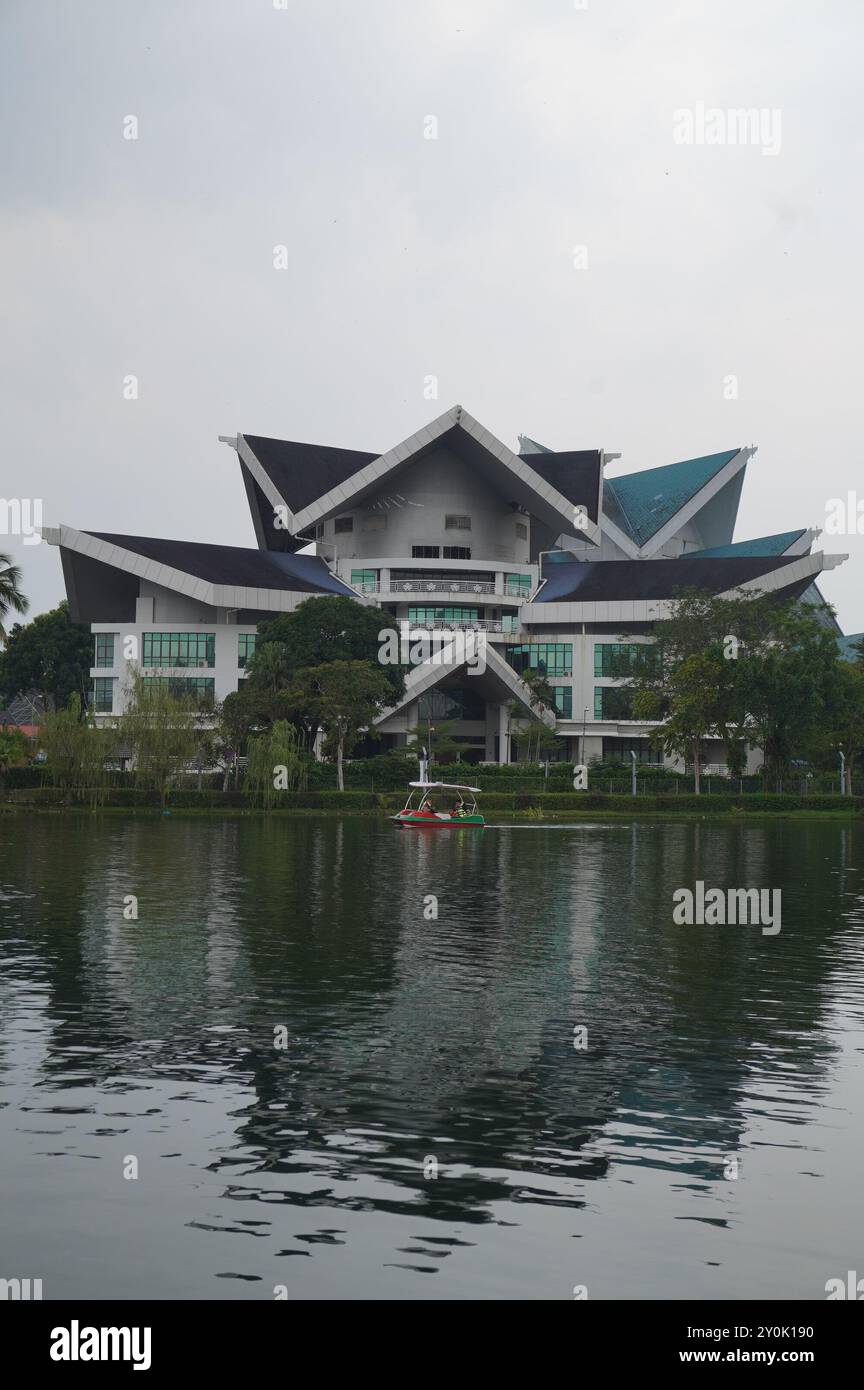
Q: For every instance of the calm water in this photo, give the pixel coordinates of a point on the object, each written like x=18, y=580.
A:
x=411, y=1039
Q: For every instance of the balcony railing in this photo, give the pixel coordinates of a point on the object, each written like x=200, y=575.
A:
x=442, y=586
x=477, y=625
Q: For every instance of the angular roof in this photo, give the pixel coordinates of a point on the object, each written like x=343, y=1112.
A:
x=575, y=473
x=498, y=677
x=104, y=572
x=301, y=473
x=312, y=482
x=640, y=503
x=234, y=565
x=760, y=545
x=594, y=581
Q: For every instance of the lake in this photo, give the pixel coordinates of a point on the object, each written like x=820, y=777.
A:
x=287, y=1074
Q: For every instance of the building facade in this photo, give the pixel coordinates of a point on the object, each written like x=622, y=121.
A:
x=545, y=564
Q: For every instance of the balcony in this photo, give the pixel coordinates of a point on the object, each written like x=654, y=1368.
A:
x=474, y=587
x=496, y=627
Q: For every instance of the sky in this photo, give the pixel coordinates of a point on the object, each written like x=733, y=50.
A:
x=501, y=196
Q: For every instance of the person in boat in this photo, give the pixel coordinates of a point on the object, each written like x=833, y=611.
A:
x=427, y=809
x=458, y=809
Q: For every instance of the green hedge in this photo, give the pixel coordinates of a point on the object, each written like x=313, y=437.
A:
x=185, y=798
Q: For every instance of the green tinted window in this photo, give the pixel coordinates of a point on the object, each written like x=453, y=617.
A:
x=103, y=694
x=179, y=649
x=104, y=648
x=548, y=658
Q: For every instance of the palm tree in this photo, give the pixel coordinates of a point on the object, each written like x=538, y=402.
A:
x=10, y=591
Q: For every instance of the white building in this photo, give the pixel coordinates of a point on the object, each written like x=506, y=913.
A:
x=552, y=563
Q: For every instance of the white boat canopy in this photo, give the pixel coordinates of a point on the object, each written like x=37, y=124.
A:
x=445, y=786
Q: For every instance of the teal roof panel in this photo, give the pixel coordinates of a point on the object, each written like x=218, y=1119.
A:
x=846, y=645
x=640, y=503
x=759, y=545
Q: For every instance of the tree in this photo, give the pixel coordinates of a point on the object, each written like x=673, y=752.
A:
x=52, y=654
x=743, y=668
x=689, y=706
x=277, y=762
x=438, y=740
x=845, y=715
x=77, y=750
x=344, y=697
x=14, y=751
x=160, y=731
x=784, y=683
x=11, y=596
x=328, y=629
x=688, y=677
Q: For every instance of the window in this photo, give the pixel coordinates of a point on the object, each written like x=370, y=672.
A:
x=104, y=648
x=103, y=695
x=365, y=580
x=549, y=658
x=624, y=658
x=342, y=524
x=245, y=648
x=199, y=688
x=179, y=649
x=510, y=622
x=425, y=552
x=617, y=750
x=319, y=531
x=419, y=616
x=563, y=697
x=518, y=584
x=612, y=702
x=451, y=704
x=457, y=523
x=521, y=531
x=456, y=552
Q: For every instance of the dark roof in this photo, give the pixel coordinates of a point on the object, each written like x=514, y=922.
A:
x=592, y=581
x=301, y=473
x=575, y=473
x=234, y=565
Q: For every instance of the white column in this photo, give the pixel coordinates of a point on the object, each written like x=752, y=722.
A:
x=503, y=735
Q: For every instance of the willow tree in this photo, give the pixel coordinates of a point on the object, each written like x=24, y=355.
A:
x=77, y=751
x=277, y=761
x=160, y=731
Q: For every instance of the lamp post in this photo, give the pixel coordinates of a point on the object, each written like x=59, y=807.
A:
x=584, y=718
x=842, y=771
x=633, y=773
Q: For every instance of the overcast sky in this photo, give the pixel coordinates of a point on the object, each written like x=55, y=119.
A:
x=409, y=257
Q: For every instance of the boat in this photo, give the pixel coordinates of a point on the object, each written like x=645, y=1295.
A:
x=420, y=813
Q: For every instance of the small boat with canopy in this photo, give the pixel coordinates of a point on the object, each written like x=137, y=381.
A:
x=431, y=805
